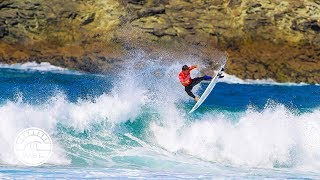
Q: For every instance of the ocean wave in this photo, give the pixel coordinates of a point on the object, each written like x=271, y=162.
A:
x=275, y=137
x=231, y=79
x=43, y=66
x=113, y=108
x=143, y=122
x=40, y=67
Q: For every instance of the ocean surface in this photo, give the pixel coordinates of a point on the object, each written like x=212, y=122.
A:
x=135, y=123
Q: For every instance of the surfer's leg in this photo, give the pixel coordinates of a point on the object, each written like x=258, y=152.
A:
x=188, y=90
x=207, y=77
x=196, y=81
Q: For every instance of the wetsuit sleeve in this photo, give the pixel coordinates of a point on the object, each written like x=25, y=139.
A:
x=181, y=77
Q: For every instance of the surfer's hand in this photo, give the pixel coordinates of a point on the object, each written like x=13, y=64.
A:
x=196, y=99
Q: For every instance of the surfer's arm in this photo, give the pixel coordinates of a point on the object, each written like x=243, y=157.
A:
x=193, y=67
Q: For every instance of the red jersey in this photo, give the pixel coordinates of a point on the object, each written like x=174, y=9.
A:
x=185, y=79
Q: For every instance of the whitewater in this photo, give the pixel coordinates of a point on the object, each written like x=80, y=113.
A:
x=135, y=123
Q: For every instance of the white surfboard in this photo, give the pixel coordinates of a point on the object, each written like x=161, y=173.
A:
x=208, y=90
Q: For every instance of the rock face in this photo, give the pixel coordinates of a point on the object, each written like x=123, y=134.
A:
x=75, y=34
x=264, y=38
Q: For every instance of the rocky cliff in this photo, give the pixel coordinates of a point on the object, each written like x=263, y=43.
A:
x=277, y=39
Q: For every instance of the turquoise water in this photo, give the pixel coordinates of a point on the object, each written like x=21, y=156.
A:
x=136, y=124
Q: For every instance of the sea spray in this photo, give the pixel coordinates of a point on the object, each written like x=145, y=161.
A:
x=141, y=121
x=274, y=137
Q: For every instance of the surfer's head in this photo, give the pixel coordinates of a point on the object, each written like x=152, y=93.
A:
x=185, y=67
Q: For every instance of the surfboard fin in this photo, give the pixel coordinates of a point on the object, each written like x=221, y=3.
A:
x=220, y=75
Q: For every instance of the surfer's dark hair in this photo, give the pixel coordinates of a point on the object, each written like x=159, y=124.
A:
x=185, y=67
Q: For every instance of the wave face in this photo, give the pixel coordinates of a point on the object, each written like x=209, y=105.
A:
x=139, y=119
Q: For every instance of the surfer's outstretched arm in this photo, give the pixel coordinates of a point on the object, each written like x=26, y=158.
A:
x=193, y=67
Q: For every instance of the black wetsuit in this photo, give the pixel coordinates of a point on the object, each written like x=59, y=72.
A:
x=194, y=82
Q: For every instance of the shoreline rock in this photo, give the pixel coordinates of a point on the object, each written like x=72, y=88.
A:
x=264, y=39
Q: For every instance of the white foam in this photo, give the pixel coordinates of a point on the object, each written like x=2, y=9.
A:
x=274, y=137
x=43, y=66
x=122, y=104
x=231, y=79
x=16, y=116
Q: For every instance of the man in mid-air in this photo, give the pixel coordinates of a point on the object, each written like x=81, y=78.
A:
x=188, y=83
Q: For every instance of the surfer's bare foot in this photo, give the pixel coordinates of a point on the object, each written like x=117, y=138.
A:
x=196, y=99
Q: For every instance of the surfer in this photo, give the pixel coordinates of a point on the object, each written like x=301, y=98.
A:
x=188, y=83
